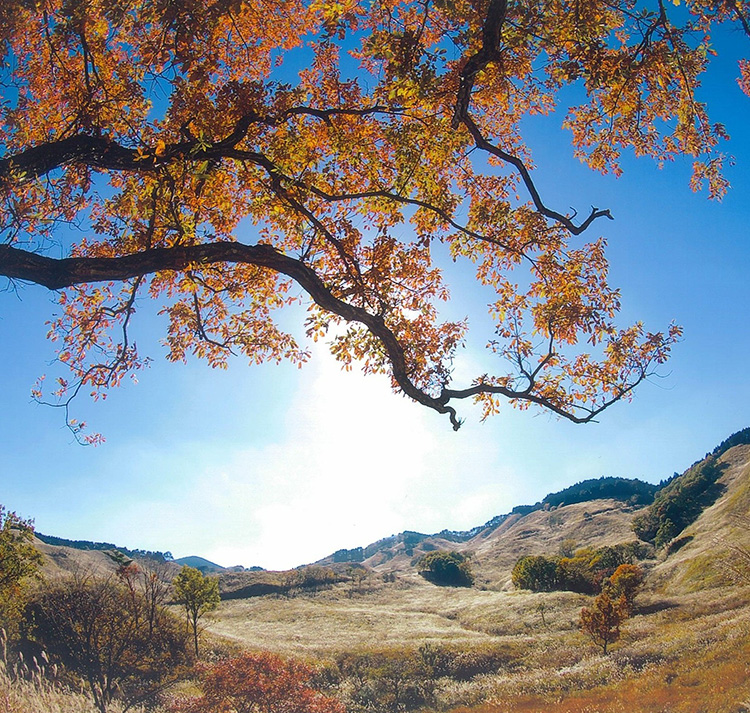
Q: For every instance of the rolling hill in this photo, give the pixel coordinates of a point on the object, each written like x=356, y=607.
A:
x=368, y=617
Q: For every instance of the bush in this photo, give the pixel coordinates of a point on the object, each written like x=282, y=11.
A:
x=101, y=630
x=387, y=681
x=584, y=572
x=258, y=682
x=536, y=572
x=446, y=568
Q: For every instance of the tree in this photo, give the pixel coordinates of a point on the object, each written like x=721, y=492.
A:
x=536, y=572
x=450, y=568
x=602, y=621
x=258, y=683
x=624, y=584
x=198, y=594
x=19, y=560
x=393, y=113
x=95, y=627
x=148, y=588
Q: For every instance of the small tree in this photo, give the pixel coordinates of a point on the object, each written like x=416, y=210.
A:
x=19, y=560
x=198, y=594
x=535, y=572
x=625, y=583
x=602, y=621
x=449, y=568
x=96, y=628
x=258, y=683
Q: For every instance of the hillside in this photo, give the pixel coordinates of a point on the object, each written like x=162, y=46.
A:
x=378, y=627
x=544, y=528
x=684, y=650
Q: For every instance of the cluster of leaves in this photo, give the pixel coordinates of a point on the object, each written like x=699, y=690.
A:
x=586, y=571
x=680, y=502
x=446, y=568
x=398, y=129
x=89, y=545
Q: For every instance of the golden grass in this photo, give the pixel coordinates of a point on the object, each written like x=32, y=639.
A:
x=717, y=682
x=678, y=654
x=31, y=689
x=407, y=615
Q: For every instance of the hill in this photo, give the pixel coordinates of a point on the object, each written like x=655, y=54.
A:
x=200, y=563
x=377, y=626
x=504, y=650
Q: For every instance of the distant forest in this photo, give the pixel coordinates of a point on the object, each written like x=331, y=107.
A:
x=104, y=546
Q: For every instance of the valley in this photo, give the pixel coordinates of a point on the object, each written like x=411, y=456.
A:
x=383, y=638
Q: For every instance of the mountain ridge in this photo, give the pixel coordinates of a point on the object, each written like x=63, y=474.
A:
x=625, y=495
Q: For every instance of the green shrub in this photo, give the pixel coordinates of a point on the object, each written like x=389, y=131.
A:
x=446, y=568
x=536, y=572
x=583, y=572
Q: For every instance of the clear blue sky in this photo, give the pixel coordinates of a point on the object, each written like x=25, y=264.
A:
x=275, y=466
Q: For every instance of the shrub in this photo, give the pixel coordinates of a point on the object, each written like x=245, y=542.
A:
x=536, y=572
x=100, y=629
x=259, y=682
x=446, y=568
x=584, y=572
x=387, y=681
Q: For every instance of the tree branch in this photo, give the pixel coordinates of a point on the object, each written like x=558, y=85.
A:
x=488, y=53
x=56, y=274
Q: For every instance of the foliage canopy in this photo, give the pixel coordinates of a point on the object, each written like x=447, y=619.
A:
x=450, y=568
x=219, y=158
x=19, y=560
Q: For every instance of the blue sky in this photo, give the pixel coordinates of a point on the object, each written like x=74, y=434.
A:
x=276, y=467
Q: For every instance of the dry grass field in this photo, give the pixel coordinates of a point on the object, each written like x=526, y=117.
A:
x=680, y=653
x=685, y=649
x=407, y=613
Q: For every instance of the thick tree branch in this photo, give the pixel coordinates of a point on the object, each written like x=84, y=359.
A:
x=59, y=273
x=491, y=32
x=56, y=274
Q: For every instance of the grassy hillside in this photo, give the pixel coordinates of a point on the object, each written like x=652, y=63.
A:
x=684, y=650
x=377, y=626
